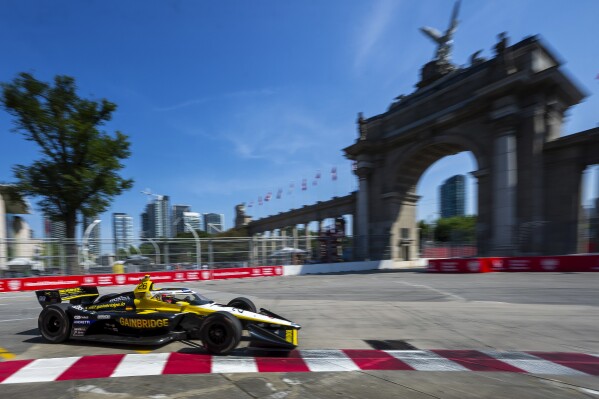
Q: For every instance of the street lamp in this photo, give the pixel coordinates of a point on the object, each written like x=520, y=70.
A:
x=156, y=248
x=86, y=237
x=197, y=240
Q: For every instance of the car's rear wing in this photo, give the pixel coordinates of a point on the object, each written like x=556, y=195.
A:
x=74, y=295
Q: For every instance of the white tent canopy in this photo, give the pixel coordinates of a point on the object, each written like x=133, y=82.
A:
x=34, y=265
x=287, y=251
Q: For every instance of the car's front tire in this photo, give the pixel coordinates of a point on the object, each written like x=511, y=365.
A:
x=243, y=304
x=54, y=324
x=220, y=333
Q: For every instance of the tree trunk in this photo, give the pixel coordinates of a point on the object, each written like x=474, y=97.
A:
x=73, y=266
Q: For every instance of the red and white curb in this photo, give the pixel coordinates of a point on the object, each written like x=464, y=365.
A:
x=105, y=366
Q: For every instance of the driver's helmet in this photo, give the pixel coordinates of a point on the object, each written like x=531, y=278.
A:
x=168, y=298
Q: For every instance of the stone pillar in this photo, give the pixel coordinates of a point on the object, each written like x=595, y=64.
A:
x=308, y=240
x=294, y=233
x=504, y=191
x=403, y=242
x=264, y=256
x=253, y=248
x=363, y=171
x=485, y=216
x=273, y=240
x=283, y=232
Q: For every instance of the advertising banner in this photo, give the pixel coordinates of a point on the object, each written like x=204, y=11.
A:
x=562, y=264
x=54, y=282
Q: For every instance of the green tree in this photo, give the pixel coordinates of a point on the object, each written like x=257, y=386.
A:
x=76, y=173
x=425, y=231
x=456, y=229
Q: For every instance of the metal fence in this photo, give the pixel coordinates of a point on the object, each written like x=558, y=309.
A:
x=51, y=256
x=437, y=250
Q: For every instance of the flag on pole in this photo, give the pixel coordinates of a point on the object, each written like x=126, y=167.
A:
x=291, y=187
x=318, y=174
x=259, y=200
x=251, y=204
x=268, y=196
x=304, y=184
x=279, y=193
x=334, y=173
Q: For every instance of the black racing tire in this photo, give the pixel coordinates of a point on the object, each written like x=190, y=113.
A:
x=54, y=324
x=242, y=304
x=220, y=333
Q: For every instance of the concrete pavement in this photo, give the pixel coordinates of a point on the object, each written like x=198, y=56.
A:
x=505, y=312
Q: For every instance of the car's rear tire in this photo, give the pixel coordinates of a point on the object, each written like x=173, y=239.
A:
x=54, y=324
x=243, y=304
x=220, y=333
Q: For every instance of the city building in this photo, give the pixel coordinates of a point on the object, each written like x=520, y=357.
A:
x=192, y=219
x=156, y=220
x=54, y=230
x=94, y=245
x=122, y=231
x=214, y=223
x=178, y=224
x=15, y=234
x=453, y=197
x=145, y=225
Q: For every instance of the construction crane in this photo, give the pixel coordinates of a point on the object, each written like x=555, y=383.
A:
x=150, y=194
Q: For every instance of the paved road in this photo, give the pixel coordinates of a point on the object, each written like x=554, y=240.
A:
x=505, y=312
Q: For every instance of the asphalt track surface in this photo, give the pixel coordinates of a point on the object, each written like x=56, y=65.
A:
x=495, y=312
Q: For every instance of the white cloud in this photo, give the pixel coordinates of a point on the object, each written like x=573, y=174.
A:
x=224, y=96
x=373, y=30
x=277, y=131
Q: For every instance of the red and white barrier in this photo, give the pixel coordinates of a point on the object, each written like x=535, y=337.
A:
x=53, y=282
x=564, y=264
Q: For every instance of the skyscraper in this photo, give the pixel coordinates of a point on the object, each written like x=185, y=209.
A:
x=191, y=219
x=55, y=230
x=214, y=223
x=179, y=223
x=122, y=231
x=156, y=220
x=453, y=197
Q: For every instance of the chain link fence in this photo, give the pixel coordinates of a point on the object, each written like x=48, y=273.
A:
x=32, y=257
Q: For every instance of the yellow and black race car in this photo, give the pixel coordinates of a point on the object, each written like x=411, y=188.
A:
x=152, y=316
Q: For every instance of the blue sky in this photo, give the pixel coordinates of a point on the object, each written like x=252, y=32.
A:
x=227, y=101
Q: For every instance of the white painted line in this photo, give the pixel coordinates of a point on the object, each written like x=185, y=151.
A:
x=449, y=294
x=221, y=364
x=141, y=364
x=24, y=296
x=328, y=360
x=532, y=364
x=27, y=318
x=426, y=361
x=41, y=370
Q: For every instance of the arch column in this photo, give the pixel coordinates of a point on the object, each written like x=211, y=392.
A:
x=294, y=234
x=308, y=239
x=363, y=171
x=484, y=212
x=504, y=192
x=404, y=234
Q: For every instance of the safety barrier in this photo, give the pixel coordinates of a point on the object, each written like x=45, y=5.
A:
x=564, y=264
x=54, y=282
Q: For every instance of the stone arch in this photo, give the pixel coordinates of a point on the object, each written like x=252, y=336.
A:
x=407, y=167
x=411, y=162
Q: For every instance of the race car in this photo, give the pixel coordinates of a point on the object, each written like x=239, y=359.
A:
x=152, y=316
